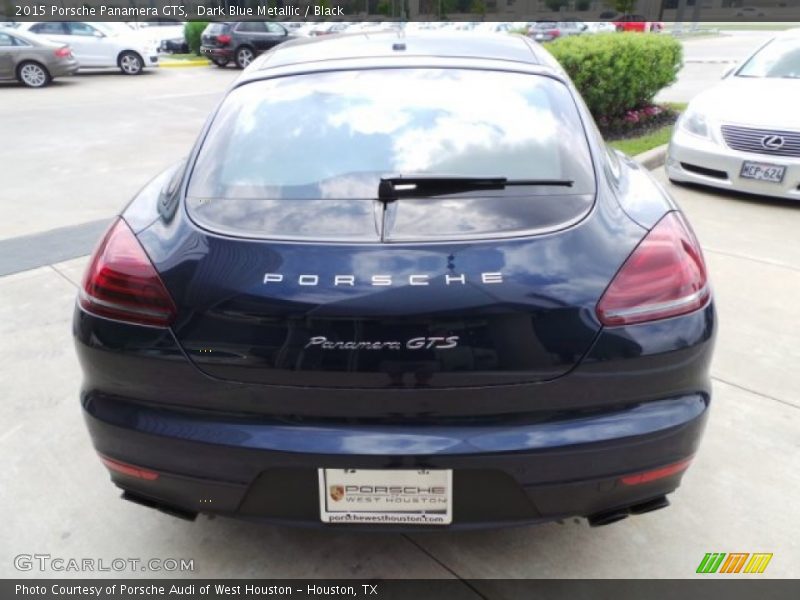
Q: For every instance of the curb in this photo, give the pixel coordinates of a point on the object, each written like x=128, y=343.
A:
x=652, y=159
x=182, y=64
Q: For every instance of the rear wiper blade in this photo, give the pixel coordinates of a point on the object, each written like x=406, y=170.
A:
x=421, y=186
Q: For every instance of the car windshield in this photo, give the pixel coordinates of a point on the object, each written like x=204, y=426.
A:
x=780, y=58
x=336, y=134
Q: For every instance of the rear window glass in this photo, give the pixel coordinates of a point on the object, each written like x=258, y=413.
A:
x=334, y=135
x=216, y=28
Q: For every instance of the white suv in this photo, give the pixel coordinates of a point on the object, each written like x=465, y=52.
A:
x=97, y=45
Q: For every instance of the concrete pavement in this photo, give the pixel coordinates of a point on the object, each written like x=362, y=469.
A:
x=706, y=60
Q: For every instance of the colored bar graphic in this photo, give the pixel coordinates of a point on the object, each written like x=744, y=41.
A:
x=713, y=562
x=758, y=563
x=734, y=562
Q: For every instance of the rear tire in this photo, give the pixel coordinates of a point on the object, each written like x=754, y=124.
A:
x=33, y=75
x=244, y=56
x=130, y=63
x=220, y=63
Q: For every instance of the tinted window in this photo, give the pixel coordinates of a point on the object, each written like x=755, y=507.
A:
x=81, y=29
x=6, y=40
x=275, y=28
x=51, y=28
x=334, y=135
x=251, y=27
x=216, y=28
x=779, y=58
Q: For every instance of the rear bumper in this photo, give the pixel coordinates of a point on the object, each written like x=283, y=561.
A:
x=504, y=473
x=219, y=53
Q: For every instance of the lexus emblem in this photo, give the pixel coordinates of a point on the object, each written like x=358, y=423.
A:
x=772, y=142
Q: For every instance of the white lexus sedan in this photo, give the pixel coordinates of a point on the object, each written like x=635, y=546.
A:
x=743, y=134
x=99, y=45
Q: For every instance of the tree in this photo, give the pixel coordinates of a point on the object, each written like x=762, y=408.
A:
x=624, y=6
x=555, y=5
x=478, y=7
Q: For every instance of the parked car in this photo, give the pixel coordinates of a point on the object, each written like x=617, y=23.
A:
x=547, y=31
x=168, y=36
x=637, y=23
x=98, y=45
x=398, y=294
x=32, y=60
x=751, y=11
x=241, y=41
x=600, y=27
x=744, y=133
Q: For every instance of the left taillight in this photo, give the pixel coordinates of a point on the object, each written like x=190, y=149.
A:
x=122, y=284
x=64, y=52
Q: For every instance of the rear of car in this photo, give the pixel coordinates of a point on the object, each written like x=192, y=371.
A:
x=215, y=42
x=363, y=305
x=744, y=133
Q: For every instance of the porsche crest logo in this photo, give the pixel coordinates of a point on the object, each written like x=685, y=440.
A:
x=337, y=492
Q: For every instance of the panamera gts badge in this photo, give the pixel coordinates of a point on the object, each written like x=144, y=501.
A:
x=337, y=492
x=418, y=343
x=773, y=142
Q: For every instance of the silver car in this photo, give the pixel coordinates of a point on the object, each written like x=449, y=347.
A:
x=32, y=60
x=744, y=133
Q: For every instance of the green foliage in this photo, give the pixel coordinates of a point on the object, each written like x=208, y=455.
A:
x=624, y=6
x=192, y=32
x=555, y=5
x=384, y=8
x=617, y=72
x=478, y=7
x=583, y=5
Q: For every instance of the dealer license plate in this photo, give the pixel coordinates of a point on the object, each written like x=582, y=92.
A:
x=399, y=497
x=763, y=171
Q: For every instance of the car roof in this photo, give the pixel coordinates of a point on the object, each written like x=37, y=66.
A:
x=385, y=46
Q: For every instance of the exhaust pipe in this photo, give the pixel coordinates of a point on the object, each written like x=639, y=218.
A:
x=612, y=516
x=649, y=506
x=174, y=511
x=608, y=517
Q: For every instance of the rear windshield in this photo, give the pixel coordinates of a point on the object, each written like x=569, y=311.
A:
x=334, y=135
x=216, y=28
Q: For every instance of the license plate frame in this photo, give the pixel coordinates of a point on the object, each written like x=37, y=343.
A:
x=761, y=171
x=386, y=496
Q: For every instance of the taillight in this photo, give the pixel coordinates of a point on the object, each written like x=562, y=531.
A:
x=554, y=32
x=665, y=276
x=130, y=470
x=63, y=52
x=656, y=474
x=121, y=282
x=224, y=39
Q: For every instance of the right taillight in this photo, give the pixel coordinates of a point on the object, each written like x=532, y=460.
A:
x=665, y=276
x=224, y=39
x=121, y=283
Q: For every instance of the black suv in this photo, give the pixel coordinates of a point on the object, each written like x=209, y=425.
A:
x=240, y=41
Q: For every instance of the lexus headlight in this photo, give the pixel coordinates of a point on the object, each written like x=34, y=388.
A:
x=695, y=123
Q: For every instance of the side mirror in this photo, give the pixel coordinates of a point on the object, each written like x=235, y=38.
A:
x=584, y=27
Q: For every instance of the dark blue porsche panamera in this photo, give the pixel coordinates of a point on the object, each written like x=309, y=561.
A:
x=399, y=282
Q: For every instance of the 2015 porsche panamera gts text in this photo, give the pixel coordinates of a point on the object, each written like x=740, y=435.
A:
x=541, y=348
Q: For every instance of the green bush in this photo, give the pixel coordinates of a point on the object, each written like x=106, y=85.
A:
x=617, y=72
x=192, y=32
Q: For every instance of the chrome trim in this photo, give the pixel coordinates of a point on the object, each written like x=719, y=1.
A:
x=661, y=306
